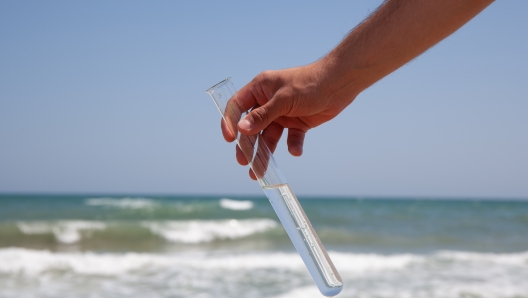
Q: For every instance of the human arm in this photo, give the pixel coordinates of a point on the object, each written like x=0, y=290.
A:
x=304, y=97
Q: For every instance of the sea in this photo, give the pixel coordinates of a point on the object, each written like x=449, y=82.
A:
x=234, y=246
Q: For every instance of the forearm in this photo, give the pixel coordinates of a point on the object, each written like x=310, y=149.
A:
x=396, y=33
x=305, y=97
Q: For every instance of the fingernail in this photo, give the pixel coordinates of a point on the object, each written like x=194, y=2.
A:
x=244, y=124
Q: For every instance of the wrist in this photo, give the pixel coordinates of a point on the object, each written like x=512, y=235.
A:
x=338, y=78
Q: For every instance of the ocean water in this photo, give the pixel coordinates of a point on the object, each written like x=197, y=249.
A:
x=217, y=246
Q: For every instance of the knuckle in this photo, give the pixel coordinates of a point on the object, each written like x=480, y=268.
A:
x=296, y=136
x=259, y=115
x=267, y=79
x=292, y=140
x=284, y=102
x=272, y=139
x=272, y=134
x=265, y=76
x=262, y=86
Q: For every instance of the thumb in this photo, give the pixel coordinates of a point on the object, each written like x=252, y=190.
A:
x=259, y=118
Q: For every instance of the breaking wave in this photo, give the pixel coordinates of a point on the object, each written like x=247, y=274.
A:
x=235, y=204
x=123, y=203
x=178, y=231
x=65, y=231
x=196, y=231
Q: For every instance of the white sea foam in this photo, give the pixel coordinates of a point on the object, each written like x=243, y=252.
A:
x=65, y=231
x=124, y=203
x=33, y=273
x=361, y=263
x=302, y=292
x=197, y=231
x=34, y=262
x=235, y=204
x=21, y=260
x=514, y=259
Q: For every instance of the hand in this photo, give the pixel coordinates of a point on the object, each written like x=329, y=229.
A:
x=297, y=99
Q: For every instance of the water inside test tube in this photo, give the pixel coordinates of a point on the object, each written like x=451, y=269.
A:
x=304, y=237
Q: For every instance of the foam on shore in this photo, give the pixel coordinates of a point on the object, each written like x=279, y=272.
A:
x=29, y=273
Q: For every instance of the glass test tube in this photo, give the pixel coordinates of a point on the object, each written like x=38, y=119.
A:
x=280, y=195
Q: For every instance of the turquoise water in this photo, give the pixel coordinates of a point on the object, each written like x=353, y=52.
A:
x=217, y=246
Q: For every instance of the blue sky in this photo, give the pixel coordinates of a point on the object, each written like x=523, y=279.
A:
x=109, y=97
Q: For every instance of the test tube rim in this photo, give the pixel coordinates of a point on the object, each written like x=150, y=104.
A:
x=217, y=84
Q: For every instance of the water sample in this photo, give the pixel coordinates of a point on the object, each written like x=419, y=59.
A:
x=279, y=193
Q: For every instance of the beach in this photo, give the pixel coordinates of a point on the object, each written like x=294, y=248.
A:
x=234, y=246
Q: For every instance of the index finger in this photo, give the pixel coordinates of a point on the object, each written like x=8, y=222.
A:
x=241, y=102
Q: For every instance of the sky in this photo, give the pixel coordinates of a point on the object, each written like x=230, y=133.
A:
x=109, y=97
